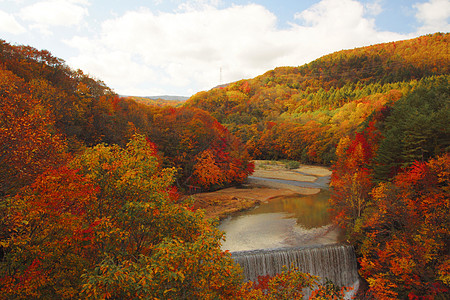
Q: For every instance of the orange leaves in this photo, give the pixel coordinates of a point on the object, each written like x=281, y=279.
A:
x=245, y=87
x=291, y=284
x=215, y=167
x=405, y=252
x=440, y=166
x=189, y=138
x=49, y=230
x=351, y=179
x=206, y=170
x=62, y=191
x=28, y=145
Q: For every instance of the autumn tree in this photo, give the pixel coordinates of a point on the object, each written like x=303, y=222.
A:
x=405, y=250
x=351, y=179
x=29, y=142
x=49, y=242
x=150, y=243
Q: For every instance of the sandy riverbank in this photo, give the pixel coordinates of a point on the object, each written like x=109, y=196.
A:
x=222, y=203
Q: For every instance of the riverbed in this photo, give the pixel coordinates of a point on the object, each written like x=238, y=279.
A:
x=279, y=208
x=291, y=224
x=282, y=222
x=301, y=219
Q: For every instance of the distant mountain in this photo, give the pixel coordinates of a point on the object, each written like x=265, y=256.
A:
x=168, y=97
x=164, y=100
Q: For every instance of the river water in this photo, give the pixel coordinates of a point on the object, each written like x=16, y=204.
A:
x=282, y=222
x=292, y=230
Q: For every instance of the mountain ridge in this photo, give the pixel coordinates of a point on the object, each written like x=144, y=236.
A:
x=168, y=97
x=336, y=90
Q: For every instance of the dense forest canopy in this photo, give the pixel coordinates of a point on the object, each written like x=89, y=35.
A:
x=84, y=112
x=89, y=203
x=90, y=182
x=89, y=192
x=380, y=116
x=302, y=112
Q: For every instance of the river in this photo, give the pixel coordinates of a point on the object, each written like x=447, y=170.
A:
x=288, y=221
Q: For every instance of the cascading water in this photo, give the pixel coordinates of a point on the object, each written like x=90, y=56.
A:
x=292, y=232
x=336, y=262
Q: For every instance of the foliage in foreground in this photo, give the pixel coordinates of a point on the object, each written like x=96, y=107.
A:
x=292, y=284
x=110, y=225
x=391, y=194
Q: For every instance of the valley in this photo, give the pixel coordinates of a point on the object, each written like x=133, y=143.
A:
x=106, y=197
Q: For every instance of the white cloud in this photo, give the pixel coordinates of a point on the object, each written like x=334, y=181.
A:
x=331, y=15
x=146, y=52
x=374, y=8
x=191, y=5
x=434, y=15
x=9, y=24
x=45, y=14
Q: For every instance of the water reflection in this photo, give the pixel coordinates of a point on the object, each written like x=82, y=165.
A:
x=281, y=222
x=310, y=211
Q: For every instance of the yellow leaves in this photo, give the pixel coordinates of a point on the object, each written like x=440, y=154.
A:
x=379, y=192
x=444, y=271
x=383, y=287
x=83, y=90
x=441, y=165
x=28, y=143
x=342, y=146
x=402, y=265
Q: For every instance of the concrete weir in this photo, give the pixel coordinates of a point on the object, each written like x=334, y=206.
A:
x=336, y=262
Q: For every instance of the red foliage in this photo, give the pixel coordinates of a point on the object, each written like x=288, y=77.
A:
x=262, y=283
x=351, y=177
x=405, y=251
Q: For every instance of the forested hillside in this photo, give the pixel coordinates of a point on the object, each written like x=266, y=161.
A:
x=70, y=111
x=89, y=182
x=380, y=116
x=301, y=113
x=391, y=193
x=89, y=206
x=155, y=101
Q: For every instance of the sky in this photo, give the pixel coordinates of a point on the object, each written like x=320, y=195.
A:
x=175, y=47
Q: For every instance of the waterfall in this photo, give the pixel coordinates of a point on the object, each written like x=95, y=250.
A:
x=337, y=262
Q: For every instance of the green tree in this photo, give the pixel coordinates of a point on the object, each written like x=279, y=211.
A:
x=417, y=129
